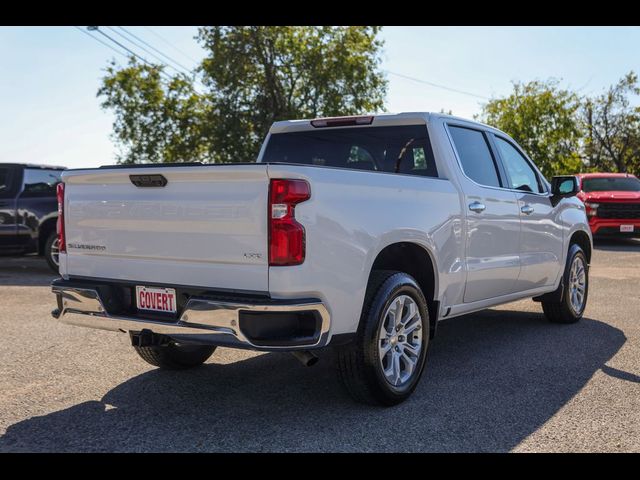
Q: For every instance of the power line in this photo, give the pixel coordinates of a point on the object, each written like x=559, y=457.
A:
x=162, y=62
x=165, y=75
x=436, y=85
x=97, y=29
x=157, y=35
x=100, y=41
x=175, y=62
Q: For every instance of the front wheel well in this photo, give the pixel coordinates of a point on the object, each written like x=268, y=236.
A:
x=581, y=239
x=414, y=260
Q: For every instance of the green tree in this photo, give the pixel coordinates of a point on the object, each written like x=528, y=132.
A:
x=612, y=141
x=543, y=119
x=252, y=76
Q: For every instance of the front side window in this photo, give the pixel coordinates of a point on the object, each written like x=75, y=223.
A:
x=475, y=156
x=397, y=149
x=40, y=181
x=521, y=174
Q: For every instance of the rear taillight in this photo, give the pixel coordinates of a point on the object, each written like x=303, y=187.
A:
x=286, y=235
x=62, y=245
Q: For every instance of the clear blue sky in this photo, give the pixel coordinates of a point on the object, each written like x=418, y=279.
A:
x=49, y=76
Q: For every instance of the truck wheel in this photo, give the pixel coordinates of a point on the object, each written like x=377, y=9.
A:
x=383, y=364
x=52, y=252
x=174, y=356
x=570, y=307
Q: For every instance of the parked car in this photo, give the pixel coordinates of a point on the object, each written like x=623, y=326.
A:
x=613, y=203
x=29, y=210
x=359, y=233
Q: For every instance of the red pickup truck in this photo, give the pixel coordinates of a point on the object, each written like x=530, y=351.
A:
x=612, y=201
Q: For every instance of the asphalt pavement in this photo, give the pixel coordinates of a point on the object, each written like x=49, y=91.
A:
x=500, y=380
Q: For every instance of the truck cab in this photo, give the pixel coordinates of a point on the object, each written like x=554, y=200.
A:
x=29, y=210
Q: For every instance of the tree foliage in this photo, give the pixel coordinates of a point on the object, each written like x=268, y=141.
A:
x=252, y=76
x=612, y=125
x=543, y=119
x=564, y=133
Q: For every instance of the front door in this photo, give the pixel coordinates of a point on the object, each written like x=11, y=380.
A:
x=492, y=219
x=541, y=239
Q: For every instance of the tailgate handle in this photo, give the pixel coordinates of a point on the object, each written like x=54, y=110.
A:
x=155, y=180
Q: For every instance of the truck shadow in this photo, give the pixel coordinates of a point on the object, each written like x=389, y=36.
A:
x=492, y=379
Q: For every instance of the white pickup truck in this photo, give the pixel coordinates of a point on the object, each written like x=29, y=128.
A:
x=358, y=233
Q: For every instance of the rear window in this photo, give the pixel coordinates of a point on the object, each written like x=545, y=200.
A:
x=400, y=149
x=620, y=184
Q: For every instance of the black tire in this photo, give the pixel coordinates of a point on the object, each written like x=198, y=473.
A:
x=358, y=363
x=174, y=356
x=560, y=309
x=48, y=253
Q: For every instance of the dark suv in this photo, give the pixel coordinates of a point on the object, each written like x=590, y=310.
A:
x=29, y=210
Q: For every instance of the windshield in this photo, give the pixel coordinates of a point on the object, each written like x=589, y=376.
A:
x=606, y=184
x=398, y=149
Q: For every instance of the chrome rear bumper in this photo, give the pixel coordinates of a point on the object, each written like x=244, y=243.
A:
x=203, y=320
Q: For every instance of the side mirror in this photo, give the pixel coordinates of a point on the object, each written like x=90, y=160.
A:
x=564, y=186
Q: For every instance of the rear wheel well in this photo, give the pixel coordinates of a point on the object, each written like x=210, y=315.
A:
x=46, y=228
x=416, y=261
x=581, y=239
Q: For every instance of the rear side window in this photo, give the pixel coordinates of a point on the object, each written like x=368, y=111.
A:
x=475, y=156
x=399, y=149
x=40, y=182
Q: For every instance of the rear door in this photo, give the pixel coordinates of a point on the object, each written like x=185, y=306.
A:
x=492, y=218
x=9, y=179
x=206, y=226
x=541, y=240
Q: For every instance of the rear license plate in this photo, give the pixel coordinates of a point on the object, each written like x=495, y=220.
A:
x=626, y=228
x=156, y=299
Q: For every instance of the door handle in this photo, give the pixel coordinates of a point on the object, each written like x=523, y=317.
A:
x=526, y=209
x=477, y=207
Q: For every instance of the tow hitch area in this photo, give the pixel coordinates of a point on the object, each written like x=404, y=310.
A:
x=146, y=338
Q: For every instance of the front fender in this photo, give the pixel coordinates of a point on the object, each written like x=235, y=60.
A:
x=573, y=218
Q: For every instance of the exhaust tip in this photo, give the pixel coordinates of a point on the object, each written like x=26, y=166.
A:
x=305, y=357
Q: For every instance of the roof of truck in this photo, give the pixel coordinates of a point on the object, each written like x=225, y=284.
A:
x=379, y=119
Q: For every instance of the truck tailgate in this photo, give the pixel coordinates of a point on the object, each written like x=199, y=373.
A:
x=206, y=227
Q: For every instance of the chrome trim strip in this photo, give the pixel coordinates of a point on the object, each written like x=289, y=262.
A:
x=201, y=316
